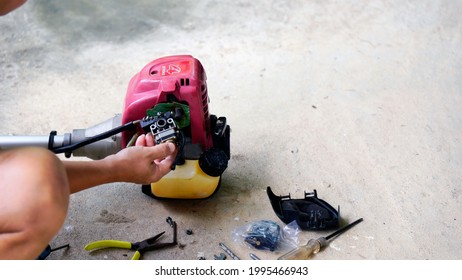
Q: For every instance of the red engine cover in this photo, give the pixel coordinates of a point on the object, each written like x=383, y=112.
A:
x=182, y=76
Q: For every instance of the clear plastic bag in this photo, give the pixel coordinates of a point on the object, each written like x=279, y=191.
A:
x=267, y=235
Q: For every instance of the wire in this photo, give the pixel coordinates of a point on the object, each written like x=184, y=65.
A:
x=101, y=136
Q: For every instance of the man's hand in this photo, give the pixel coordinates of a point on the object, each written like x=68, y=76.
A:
x=140, y=164
x=144, y=163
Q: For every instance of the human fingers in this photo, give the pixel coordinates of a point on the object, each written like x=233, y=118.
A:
x=141, y=140
x=165, y=166
x=161, y=151
x=149, y=139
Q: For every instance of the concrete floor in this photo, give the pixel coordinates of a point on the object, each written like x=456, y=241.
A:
x=358, y=100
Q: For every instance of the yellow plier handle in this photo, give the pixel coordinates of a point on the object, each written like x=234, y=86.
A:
x=136, y=256
x=100, y=244
x=139, y=247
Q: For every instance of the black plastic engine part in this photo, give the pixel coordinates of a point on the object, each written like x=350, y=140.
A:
x=220, y=134
x=213, y=162
x=310, y=213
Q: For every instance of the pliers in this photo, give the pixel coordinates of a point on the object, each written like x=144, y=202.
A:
x=140, y=247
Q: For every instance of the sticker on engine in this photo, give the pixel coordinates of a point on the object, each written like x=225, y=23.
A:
x=174, y=69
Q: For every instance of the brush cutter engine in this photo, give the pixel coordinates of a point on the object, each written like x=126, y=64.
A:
x=167, y=98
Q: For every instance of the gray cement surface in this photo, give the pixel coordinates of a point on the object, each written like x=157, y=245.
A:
x=360, y=100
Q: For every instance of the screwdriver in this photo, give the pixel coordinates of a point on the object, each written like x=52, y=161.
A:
x=314, y=245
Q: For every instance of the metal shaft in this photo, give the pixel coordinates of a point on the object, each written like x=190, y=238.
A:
x=342, y=230
x=228, y=251
x=8, y=142
x=97, y=149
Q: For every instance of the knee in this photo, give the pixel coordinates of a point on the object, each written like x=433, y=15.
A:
x=39, y=194
x=48, y=175
x=50, y=187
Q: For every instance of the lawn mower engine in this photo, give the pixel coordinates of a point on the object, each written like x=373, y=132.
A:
x=169, y=96
x=169, y=99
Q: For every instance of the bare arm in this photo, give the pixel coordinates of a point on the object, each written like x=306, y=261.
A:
x=141, y=164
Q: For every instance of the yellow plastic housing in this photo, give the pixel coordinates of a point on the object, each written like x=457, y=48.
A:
x=187, y=181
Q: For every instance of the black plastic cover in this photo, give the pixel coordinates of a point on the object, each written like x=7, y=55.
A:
x=310, y=213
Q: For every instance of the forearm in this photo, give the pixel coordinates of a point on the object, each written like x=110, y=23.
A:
x=139, y=165
x=86, y=174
